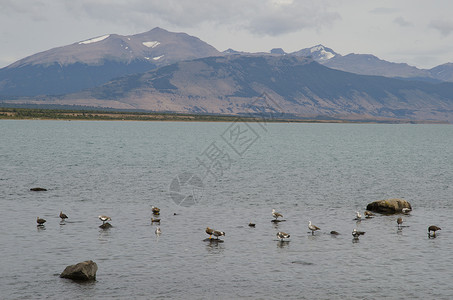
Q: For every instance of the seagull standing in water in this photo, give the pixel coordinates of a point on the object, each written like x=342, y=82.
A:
x=158, y=231
x=313, y=228
x=356, y=234
x=282, y=235
x=358, y=216
x=276, y=214
x=433, y=228
x=104, y=219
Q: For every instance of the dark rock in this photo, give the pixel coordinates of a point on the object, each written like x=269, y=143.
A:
x=388, y=206
x=106, y=225
x=83, y=271
x=333, y=232
x=38, y=189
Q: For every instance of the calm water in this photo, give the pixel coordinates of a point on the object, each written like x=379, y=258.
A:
x=317, y=172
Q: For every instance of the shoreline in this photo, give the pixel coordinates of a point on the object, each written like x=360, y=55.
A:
x=91, y=115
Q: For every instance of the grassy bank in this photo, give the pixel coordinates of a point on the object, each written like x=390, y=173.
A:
x=99, y=115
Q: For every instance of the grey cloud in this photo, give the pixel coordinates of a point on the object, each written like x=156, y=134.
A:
x=402, y=22
x=256, y=16
x=383, y=10
x=444, y=27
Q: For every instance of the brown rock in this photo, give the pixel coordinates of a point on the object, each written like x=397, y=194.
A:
x=83, y=271
x=388, y=206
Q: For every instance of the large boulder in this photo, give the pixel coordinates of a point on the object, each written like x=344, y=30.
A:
x=83, y=271
x=388, y=206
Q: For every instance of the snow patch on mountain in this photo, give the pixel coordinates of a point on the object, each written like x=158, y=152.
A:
x=151, y=44
x=94, y=40
x=323, y=54
x=158, y=57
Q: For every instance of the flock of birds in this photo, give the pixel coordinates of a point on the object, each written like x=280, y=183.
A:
x=355, y=233
x=280, y=235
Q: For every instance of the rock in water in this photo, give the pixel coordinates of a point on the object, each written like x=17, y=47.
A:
x=389, y=206
x=38, y=189
x=83, y=271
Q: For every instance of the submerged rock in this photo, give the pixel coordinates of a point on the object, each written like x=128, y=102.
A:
x=83, y=271
x=389, y=206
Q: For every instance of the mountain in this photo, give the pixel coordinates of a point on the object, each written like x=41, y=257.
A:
x=319, y=53
x=364, y=64
x=443, y=72
x=296, y=86
x=95, y=61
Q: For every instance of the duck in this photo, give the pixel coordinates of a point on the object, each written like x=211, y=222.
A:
x=155, y=210
x=218, y=233
x=276, y=214
x=313, y=228
x=209, y=231
x=40, y=221
x=63, y=216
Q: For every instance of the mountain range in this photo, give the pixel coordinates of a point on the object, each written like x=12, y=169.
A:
x=174, y=72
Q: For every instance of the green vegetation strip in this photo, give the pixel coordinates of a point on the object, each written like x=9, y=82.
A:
x=98, y=115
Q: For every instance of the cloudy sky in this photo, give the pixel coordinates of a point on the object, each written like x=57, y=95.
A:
x=417, y=32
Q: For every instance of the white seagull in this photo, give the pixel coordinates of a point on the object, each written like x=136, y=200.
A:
x=158, y=231
x=358, y=216
x=406, y=210
x=282, y=235
x=356, y=233
x=104, y=219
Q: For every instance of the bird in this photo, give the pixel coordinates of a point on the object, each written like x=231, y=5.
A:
x=433, y=228
x=276, y=214
x=400, y=222
x=155, y=210
x=158, y=231
x=312, y=227
x=282, y=235
x=104, y=219
x=209, y=231
x=406, y=210
x=155, y=220
x=252, y=224
x=368, y=214
x=63, y=216
x=218, y=233
x=358, y=216
x=40, y=221
x=356, y=233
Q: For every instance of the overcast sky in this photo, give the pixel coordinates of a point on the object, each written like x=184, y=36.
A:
x=417, y=32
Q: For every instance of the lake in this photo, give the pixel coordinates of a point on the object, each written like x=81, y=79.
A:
x=224, y=175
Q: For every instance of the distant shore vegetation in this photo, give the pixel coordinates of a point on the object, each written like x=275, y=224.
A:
x=108, y=115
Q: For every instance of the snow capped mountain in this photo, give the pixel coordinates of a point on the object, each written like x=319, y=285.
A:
x=97, y=60
x=169, y=47
x=318, y=53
